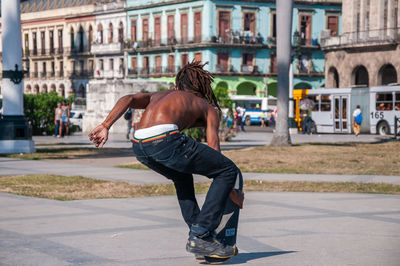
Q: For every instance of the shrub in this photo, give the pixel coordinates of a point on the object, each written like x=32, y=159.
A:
x=39, y=110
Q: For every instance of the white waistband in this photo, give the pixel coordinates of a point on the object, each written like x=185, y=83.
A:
x=154, y=131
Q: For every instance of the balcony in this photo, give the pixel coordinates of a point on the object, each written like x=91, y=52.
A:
x=111, y=74
x=153, y=72
x=106, y=48
x=43, y=52
x=42, y=74
x=81, y=74
x=35, y=74
x=372, y=38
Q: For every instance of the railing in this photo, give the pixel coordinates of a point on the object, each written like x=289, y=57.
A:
x=372, y=37
x=35, y=74
x=153, y=71
x=81, y=74
x=52, y=74
x=248, y=69
x=238, y=37
x=43, y=52
x=100, y=48
x=42, y=74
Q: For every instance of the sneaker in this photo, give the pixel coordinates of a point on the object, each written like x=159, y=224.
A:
x=208, y=246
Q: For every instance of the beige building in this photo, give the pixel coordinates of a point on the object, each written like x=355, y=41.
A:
x=368, y=51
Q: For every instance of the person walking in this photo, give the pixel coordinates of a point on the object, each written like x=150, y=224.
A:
x=65, y=113
x=357, y=120
x=242, y=117
x=159, y=144
x=307, y=121
x=57, y=118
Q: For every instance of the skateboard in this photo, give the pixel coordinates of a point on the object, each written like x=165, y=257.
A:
x=227, y=229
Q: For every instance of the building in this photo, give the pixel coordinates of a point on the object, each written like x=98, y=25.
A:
x=236, y=38
x=57, y=36
x=367, y=53
x=108, y=45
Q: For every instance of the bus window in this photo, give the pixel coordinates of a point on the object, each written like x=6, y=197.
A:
x=325, y=103
x=397, y=102
x=384, y=101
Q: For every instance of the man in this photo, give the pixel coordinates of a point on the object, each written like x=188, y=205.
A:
x=241, y=118
x=307, y=121
x=357, y=120
x=159, y=145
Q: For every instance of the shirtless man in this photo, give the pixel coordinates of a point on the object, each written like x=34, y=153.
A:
x=158, y=144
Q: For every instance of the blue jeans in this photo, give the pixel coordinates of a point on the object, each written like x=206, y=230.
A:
x=177, y=157
x=57, y=128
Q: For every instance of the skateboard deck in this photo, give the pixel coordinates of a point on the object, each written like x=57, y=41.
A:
x=227, y=229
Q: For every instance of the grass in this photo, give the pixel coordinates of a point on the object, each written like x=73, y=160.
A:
x=343, y=159
x=63, y=188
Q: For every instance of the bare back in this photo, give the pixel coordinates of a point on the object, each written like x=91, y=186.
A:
x=181, y=108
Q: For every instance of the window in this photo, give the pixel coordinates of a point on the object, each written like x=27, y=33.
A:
x=333, y=24
x=171, y=29
x=111, y=66
x=53, y=68
x=274, y=64
x=249, y=23
x=100, y=33
x=158, y=64
x=35, y=70
x=133, y=30
x=157, y=31
x=110, y=33
x=80, y=39
x=184, y=28
x=325, y=103
x=222, y=62
x=61, y=69
x=197, y=56
x=51, y=36
x=90, y=38
x=184, y=59
x=315, y=99
x=145, y=25
x=101, y=64
x=305, y=29
x=397, y=102
x=121, y=32
x=26, y=42
x=384, y=101
x=171, y=63
x=91, y=66
x=273, y=25
x=44, y=69
x=72, y=39
x=247, y=63
x=197, y=27
x=121, y=65
x=134, y=65
x=60, y=41
x=145, y=65
x=81, y=66
x=224, y=25
x=42, y=37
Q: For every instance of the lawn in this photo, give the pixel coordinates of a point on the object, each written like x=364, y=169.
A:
x=80, y=188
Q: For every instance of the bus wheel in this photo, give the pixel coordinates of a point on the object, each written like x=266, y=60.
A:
x=247, y=121
x=383, y=128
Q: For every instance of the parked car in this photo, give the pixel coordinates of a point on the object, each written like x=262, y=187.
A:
x=76, y=117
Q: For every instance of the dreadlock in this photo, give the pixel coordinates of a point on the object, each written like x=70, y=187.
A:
x=192, y=77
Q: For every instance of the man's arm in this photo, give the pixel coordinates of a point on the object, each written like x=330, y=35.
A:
x=99, y=135
x=212, y=128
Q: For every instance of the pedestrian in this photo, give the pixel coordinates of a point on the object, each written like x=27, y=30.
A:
x=262, y=118
x=160, y=145
x=307, y=121
x=65, y=113
x=57, y=118
x=242, y=117
x=128, y=117
x=357, y=120
x=235, y=120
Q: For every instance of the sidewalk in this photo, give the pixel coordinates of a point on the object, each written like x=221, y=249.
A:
x=10, y=166
x=279, y=229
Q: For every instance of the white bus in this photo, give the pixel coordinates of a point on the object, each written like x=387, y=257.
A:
x=334, y=108
x=254, y=106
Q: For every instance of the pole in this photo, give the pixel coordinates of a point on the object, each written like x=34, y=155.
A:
x=284, y=12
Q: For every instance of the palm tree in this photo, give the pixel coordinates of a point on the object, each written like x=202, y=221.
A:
x=284, y=12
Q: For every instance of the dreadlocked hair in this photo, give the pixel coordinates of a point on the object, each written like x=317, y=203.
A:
x=192, y=77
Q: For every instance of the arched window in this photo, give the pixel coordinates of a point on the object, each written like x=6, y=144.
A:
x=90, y=37
x=360, y=76
x=28, y=89
x=333, y=78
x=100, y=33
x=121, y=32
x=44, y=88
x=72, y=39
x=62, y=90
x=110, y=33
x=53, y=87
x=81, y=35
x=246, y=88
x=36, y=89
x=387, y=74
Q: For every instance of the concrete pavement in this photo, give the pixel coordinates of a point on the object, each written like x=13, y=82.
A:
x=275, y=229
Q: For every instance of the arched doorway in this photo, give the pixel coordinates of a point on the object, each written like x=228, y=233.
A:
x=100, y=33
x=110, y=33
x=53, y=87
x=387, y=75
x=62, y=90
x=44, y=88
x=246, y=88
x=81, y=91
x=28, y=89
x=333, y=78
x=360, y=76
x=302, y=86
x=272, y=89
x=36, y=89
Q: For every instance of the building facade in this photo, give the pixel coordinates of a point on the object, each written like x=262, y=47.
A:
x=236, y=38
x=368, y=52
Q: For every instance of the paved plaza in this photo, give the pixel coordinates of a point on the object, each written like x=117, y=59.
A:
x=276, y=228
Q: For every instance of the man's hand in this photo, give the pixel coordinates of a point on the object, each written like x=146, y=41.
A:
x=99, y=135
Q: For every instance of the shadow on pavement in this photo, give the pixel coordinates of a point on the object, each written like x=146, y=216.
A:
x=248, y=256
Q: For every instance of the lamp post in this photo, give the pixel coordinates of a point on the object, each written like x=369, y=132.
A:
x=295, y=47
x=15, y=131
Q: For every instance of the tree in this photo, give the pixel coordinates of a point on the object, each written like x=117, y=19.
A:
x=284, y=16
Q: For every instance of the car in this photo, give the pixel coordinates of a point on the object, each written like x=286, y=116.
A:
x=76, y=117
